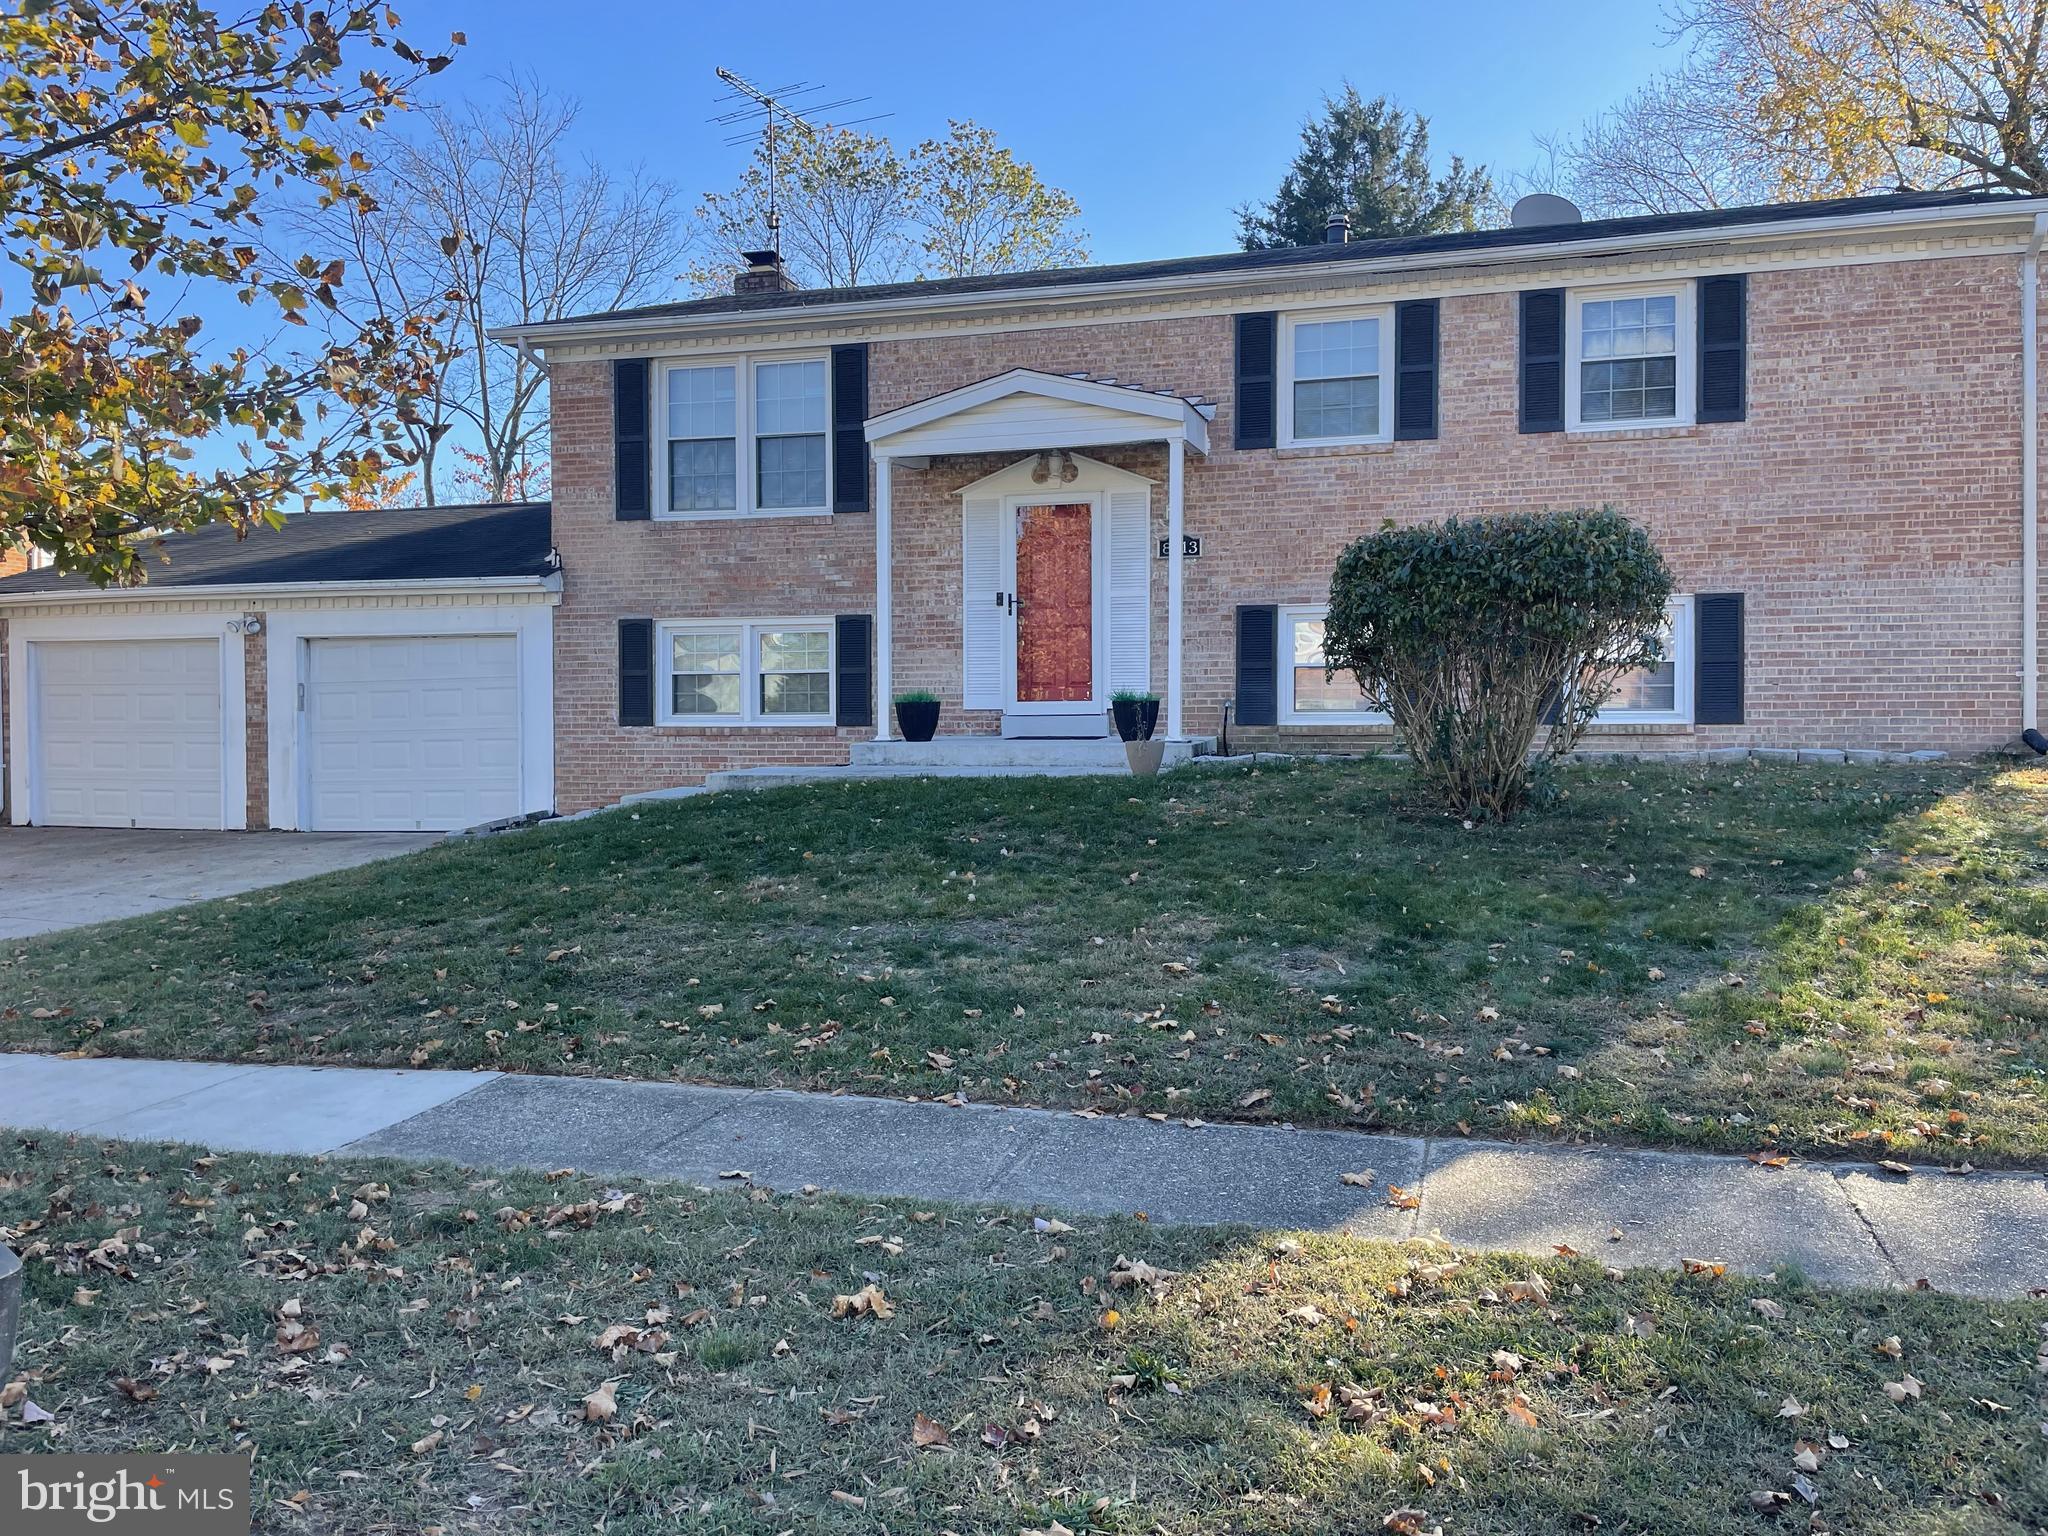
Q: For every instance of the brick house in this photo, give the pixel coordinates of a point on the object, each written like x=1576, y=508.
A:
x=1077, y=481
x=775, y=508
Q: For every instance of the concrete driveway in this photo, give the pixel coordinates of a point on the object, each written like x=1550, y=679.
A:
x=61, y=877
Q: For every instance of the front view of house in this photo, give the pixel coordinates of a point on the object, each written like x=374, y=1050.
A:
x=775, y=509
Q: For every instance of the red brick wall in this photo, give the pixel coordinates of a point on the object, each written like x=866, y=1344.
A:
x=1868, y=507
x=256, y=735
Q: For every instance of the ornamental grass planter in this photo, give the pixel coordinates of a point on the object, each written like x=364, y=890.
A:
x=1136, y=719
x=917, y=719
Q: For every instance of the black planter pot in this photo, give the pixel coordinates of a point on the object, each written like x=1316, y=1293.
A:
x=1136, y=719
x=918, y=721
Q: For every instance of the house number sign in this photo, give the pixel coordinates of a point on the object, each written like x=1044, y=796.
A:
x=1190, y=546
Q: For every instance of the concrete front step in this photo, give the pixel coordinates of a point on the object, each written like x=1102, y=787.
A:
x=1101, y=754
x=779, y=778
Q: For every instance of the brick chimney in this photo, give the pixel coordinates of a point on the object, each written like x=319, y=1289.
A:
x=764, y=273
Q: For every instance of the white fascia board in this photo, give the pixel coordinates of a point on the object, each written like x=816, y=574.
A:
x=2019, y=212
x=250, y=591
x=1156, y=415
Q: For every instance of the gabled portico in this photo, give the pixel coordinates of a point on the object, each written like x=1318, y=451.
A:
x=1056, y=527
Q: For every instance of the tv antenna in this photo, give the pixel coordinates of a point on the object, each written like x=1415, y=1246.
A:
x=761, y=116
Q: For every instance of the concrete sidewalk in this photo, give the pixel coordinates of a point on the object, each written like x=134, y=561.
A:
x=1842, y=1224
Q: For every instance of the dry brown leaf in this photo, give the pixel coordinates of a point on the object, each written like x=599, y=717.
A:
x=1906, y=1390
x=602, y=1404
x=427, y=1443
x=927, y=1433
x=1363, y=1180
x=868, y=1301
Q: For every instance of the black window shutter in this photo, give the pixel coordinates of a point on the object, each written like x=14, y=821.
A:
x=1717, y=658
x=1723, y=333
x=1258, y=663
x=632, y=465
x=636, y=671
x=1542, y=360
x=853, y=646
x=1252, y=410
x=1415, y=326
x=849, y=428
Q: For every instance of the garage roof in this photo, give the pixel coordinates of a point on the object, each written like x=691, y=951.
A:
x=413, y=544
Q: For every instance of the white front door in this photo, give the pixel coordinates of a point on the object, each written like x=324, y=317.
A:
x=127, y=733
x=411, y=733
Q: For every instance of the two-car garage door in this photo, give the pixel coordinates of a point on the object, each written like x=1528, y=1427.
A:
x=411, y=733
x=396, y=733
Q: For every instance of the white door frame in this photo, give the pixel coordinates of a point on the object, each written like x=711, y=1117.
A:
x=1097, y=503
x=530, y=625
x=27, y=631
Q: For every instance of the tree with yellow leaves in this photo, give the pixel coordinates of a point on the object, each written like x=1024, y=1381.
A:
x=141, y=142
x=1793, y=99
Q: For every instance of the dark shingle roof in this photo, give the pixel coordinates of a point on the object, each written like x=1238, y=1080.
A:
x=1705, y=223
x=423, y=544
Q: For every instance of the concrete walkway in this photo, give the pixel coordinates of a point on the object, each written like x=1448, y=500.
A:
x=1842, y=1224
x=61, y=877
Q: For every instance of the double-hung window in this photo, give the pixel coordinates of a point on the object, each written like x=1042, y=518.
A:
x=1308, y=694
x=1630, y=358
x=746, y=435
x=1336, y=369
x=1661, y=694
x=746, y=672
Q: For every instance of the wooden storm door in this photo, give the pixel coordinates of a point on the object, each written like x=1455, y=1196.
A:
x=1055, y=597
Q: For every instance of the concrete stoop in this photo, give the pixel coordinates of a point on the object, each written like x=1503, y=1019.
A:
x=963, y=757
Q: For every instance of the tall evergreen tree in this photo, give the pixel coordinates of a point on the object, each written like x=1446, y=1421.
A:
x=1369, y=159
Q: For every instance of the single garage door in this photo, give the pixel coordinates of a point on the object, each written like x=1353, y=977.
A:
x=127, y=733
x=417, y=733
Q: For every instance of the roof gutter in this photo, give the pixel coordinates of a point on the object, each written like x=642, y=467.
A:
x=454, y=586
x=551, y=332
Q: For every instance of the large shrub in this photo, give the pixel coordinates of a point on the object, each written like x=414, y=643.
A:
x=1475, y=633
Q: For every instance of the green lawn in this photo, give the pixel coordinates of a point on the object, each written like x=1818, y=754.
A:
x=1832, y=961
x=410, y=1349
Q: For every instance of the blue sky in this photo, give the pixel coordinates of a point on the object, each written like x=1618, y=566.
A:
x=1159, y=118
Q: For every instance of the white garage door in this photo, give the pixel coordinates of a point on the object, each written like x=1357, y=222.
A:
x=127, y=733
x=411, y=733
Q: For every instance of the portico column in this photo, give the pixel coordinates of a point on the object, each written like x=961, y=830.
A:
x=1176, y=456
x=883, y=602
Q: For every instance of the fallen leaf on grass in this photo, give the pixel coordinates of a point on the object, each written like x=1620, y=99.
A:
x=1713, y=1269
x=1791, y=1408
x=1890, y=1347
x=601, y=1404
x=1766, y=1307
x=927, y=1433
x=1255, y=1098
x=422, y=1446
x=1520, y=1412
x=1806, y=1457
x=868, y=1301
x=1051, y=1224
x=1764, y=1500
x=1905, y=1390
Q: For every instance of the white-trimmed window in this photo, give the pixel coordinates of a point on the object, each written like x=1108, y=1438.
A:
x=745, y=672
x=1308, y=696
x=1336, y=370
x=744, y=436
x=1659, y=695
x=1629, y=358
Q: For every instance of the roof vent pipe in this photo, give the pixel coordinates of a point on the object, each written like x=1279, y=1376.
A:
x=1338, y=230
